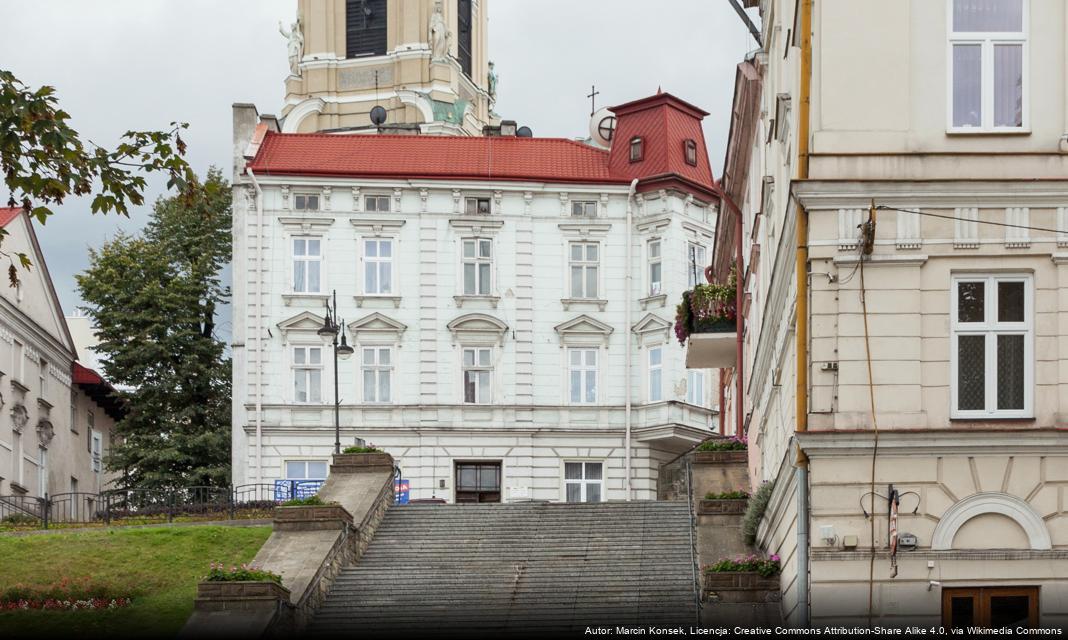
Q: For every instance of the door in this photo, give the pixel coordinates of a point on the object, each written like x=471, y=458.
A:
x=991, y=607
x=478, y=482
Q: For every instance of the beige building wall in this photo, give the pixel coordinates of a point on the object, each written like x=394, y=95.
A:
x=990, y=506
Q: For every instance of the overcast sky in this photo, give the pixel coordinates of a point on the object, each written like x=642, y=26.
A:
x=140, y=64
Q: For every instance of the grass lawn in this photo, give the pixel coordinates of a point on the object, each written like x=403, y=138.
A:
x=158, y=567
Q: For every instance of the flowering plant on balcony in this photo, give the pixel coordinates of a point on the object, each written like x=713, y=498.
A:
x=766, y=567
x=734, y=443
x=707, y=308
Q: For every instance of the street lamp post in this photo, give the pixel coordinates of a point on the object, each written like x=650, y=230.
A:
x=332, y=326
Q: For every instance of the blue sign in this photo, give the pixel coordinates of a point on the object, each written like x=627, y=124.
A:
x=289, y=489
x=401, y=491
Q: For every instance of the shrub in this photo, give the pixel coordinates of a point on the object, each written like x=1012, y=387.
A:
x=730, y=444
x=64, y=589
x=310, y=501
x=727, y=495
x=244, y=573
x=20, y=520
x=754, y=512
x=766, y=567
x=370, y=449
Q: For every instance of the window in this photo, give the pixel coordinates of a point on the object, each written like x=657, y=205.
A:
x=992, y=350
x=18, y=358
x=478, y=482
x=584, y=208
x=73, y=413
x=306, y=202
x=656, y=374
x=584, y=262
x=478, y=365
x=583, y=481
x=477, y=206
x=377, y=374
x=582, y=376
x=365, y=28
x=689, y=148
x=697, y=257
x=90, y=424
x=376, y=204
x=307, y=265
x=73, y=484
x=988, y=53
x=990, y=607
x=42, y=471
x=42, y=377
x=305, y=469
x=655, y=268
x=97, y=451
x=637, y=149
x=464, y=22
x=477, y=266
x=378, y=267
x=307, y=374
x=695, y=387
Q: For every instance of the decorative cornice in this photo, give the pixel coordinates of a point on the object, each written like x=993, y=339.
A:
x=306, y=223
x=377, y=226
x=817, y=195
x=914, y=442
x=584, y=229
x=477, y=224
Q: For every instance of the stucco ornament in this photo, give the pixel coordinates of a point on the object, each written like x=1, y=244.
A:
x=45, y=432
x=19, y=417
x=439, y=34
x=295, y=38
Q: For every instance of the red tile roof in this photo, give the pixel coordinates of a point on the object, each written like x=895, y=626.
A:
x=434, y=157
x=7, y=214
x=85, y=375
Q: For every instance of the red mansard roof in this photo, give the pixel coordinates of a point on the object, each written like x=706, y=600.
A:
x=434, y=157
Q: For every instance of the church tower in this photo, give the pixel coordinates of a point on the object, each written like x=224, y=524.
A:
x=424, y=61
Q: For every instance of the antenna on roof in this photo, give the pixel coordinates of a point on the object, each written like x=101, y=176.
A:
x=378, y=114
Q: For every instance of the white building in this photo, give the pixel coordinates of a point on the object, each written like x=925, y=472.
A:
x=511, y=301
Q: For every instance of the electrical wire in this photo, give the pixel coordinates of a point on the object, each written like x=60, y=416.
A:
x=929, y=214
x=869, y=241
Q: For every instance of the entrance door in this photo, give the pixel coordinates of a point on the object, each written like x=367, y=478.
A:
x=995, y=608
x=478, y=482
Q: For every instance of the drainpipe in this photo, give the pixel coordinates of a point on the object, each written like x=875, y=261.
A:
x=629, y=280
x=259, y=327
x=801, y=334
x=722, y=401
x=1064, y=138
x=739, y=297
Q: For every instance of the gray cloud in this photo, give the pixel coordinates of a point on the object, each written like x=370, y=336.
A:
x=137, y=64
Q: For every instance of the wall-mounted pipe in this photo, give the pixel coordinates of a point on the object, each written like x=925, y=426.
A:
x=629, y=282
x=259, y=327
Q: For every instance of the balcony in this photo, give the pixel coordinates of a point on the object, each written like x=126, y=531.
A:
x=706, y=323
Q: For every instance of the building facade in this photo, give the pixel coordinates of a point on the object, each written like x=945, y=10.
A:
x=509, y=299
x=56, y=416
x=933, y=364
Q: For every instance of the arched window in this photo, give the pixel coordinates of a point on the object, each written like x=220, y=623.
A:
x=690, y=150
x=637, y=149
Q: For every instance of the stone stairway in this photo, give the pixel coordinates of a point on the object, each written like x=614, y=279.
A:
x=518, y=568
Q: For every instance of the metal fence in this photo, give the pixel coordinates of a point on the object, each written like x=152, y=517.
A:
x=146, y=506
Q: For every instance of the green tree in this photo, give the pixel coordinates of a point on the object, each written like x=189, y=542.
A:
x=44, y=160
x=153, y=298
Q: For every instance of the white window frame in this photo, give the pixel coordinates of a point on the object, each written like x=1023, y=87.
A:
x=468, y=200
x=650, y=369
x=477, y=260
x=308, y=259
x=584, y=208
x=584, y=265
x=987, y=40
x=584, y=482
x=308, y=194
x=18, y=361
x=377, y=198
x=42, y=377
x=990, y=327
x=482, y=395
x=655, y=287
x=585, y=371
x=305, y=462
x=304, y=369
x=97, y=450
x=696, y=384
x=375, y=367
x=378, y=263
x=695, y=277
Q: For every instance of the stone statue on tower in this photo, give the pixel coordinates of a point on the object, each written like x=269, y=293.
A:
x=439, y=34
x=295, y=38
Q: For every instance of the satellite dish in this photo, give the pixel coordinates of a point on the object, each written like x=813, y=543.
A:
x=524, y=132
x=378, y=115
x=603, y=127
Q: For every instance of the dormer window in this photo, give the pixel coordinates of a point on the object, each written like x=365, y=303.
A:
x=690, y=150
x=637, y=149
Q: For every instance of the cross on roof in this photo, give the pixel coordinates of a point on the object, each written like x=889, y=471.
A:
x=593, y=99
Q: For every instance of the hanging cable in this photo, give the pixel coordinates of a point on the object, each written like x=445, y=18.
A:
x=884, y=207
x=867, y=245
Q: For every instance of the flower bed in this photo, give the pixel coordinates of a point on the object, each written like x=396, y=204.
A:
x=243, y=573
x=764, y=567
x=68, y=594
x=370, y=449
x=65, y=605
x=727, y=495
x=729, y=444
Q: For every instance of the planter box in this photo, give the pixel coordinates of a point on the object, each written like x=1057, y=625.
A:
x=722, y=507
x=741, y=587
x=225, y=596
x=712, y=350
x=361, y=462
x=721, y=457
x=311, y=518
